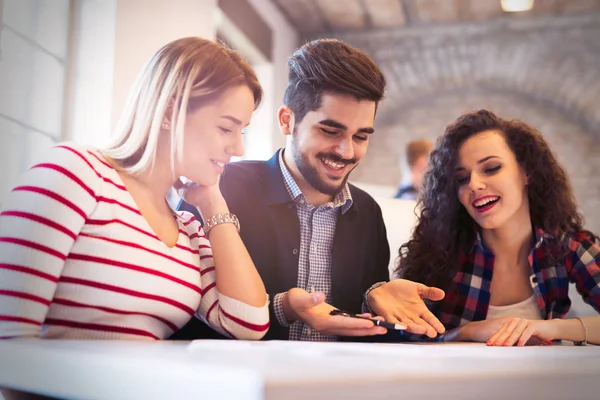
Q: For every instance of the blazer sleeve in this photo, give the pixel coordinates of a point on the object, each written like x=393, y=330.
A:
x=383, y=249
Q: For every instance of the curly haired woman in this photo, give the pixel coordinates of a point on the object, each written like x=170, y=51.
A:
x=499, y=231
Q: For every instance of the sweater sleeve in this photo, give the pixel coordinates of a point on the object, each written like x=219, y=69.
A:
x=39, y=223
x=224, y=314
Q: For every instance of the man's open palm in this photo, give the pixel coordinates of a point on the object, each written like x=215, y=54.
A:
x=401, y=301
x=311, y=309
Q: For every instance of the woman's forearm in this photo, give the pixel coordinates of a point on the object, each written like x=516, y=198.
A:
x=236, y=275
x=573, y=330
x=460, y=334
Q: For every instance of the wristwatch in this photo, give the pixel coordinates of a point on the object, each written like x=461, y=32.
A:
x=221, y=218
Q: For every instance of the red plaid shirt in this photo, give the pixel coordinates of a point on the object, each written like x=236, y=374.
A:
x=468, y=296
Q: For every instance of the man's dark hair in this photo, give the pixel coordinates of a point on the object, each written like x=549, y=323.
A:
x=330, y=66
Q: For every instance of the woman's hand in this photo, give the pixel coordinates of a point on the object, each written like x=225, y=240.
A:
x=208, y=199
x=504, y=331
x=524, y=332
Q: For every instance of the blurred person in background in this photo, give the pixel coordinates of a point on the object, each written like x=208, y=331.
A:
x=414, y=165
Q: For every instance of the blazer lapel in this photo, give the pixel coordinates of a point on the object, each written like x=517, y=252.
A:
x=347, y=268
x=284, y=217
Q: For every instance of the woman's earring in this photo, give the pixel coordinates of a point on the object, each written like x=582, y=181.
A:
x=165, y=125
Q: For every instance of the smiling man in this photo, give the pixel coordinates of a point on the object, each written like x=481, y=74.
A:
x=318, y=242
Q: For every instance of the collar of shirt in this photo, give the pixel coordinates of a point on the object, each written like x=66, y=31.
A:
x=343, y=199
x=540, y=236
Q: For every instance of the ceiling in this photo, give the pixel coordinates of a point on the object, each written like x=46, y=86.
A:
x=314, y=17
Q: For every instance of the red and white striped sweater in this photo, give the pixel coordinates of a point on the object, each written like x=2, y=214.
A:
x=78, y=261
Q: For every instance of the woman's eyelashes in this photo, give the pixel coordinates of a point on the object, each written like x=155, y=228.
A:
x=492, y=170
x=464, y=178
x=226, y=131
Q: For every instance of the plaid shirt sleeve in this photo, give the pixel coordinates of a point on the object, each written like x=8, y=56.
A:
x=583, y=267
x=278, y=307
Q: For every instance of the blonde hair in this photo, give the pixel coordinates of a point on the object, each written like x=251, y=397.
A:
x=182, y=76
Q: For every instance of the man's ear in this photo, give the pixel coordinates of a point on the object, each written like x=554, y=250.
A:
x=285, y=117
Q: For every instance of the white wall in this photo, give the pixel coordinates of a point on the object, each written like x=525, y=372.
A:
x=90, y=77
x=143, y=26
x=33, y=53
x=285, y=41
x=113, y=40
x=258, y=137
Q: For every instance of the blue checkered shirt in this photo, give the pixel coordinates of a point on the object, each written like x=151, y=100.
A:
x=317, y=230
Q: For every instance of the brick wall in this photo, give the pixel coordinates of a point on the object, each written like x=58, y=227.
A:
x=33, y=50
x=543, y=71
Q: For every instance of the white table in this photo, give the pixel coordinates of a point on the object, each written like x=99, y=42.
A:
x=294, y=370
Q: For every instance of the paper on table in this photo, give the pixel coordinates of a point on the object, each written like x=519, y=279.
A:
x=454, y=350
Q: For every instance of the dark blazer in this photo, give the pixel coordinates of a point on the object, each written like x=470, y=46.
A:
x=255, y=191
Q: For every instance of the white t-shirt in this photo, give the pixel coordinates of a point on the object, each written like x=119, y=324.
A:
x=526, y=309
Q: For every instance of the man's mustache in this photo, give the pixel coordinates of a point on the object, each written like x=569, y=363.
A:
x=337, y=159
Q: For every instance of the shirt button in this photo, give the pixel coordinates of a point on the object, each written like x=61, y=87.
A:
x=308, y=331
x=295, y=251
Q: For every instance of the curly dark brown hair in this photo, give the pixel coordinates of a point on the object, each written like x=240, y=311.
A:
x=445, y=230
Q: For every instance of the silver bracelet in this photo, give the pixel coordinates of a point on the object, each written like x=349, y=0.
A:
x=579, y=342
x=221, y=218
x=366, y=307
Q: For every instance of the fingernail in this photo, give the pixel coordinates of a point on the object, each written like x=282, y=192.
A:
x=315, y=297
x=548, y=342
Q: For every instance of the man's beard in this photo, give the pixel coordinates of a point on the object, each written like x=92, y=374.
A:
x=311, y=174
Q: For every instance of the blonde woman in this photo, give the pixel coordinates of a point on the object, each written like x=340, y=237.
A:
x=89, y=247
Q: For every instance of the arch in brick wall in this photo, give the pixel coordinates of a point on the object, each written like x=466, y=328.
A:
x=549, y=61
x=426, y=117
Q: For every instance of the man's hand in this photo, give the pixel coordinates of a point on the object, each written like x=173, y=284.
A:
x=311, y=309
x=401, y=302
